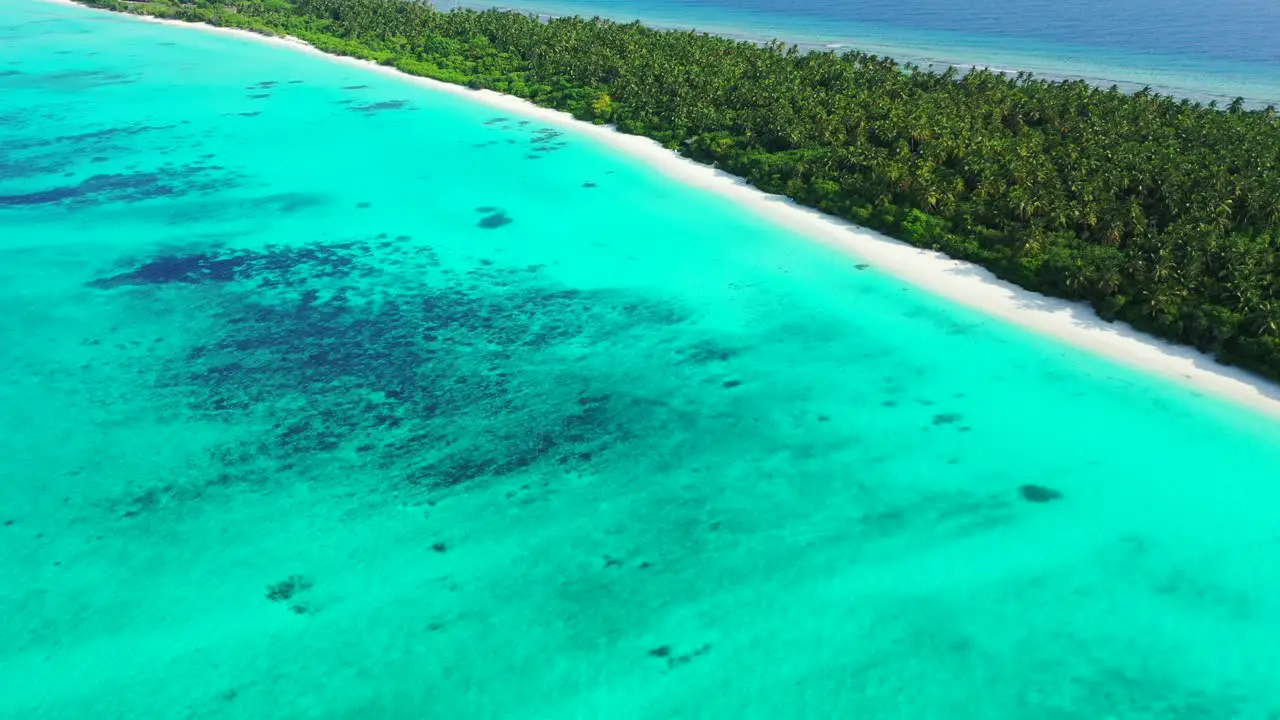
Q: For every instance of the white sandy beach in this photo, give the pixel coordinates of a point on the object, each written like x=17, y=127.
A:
x=958, y=281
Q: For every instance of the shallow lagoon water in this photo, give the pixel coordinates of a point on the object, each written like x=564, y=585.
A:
x=325, y=395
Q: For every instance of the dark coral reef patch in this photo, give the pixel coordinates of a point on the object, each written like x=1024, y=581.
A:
x=495, y=219
x=128, y=187
x=382, y=106
x=433, y=380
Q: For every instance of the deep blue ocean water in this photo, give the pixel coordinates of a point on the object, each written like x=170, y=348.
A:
x=1204, y=50
x=324, y=395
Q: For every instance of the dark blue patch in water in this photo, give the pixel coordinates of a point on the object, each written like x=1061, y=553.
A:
x=495, y=221
x=544, y=135
x=125, y=187
x=292, y=202
x=175, y=269
x=94, y=136
x=68, y=80
x=381, y=106
x=194, y=210
x=31, y=166
x=328, y=346
x=224, y=266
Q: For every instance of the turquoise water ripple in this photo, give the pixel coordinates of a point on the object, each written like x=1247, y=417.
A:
x=326, y=395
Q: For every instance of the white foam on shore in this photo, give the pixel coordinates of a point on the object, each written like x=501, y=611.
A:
x=955, y=280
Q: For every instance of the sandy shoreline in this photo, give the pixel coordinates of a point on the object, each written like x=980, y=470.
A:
x=958, y=281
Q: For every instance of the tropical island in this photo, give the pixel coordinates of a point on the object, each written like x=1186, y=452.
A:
x=1160, y=212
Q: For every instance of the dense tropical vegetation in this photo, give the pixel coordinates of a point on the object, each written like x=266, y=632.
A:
x=1161, y=212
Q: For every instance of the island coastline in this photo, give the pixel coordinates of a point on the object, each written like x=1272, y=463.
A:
x=1129, y=78
x=1073, y=323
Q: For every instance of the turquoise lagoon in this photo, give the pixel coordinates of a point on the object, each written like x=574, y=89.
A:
x=328, y=396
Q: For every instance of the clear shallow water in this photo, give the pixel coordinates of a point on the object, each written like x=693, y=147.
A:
x=1206, y=51
x=291, y=428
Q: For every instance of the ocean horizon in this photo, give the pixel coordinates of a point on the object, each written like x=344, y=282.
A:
x=1205, y=52
x=330, y=395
